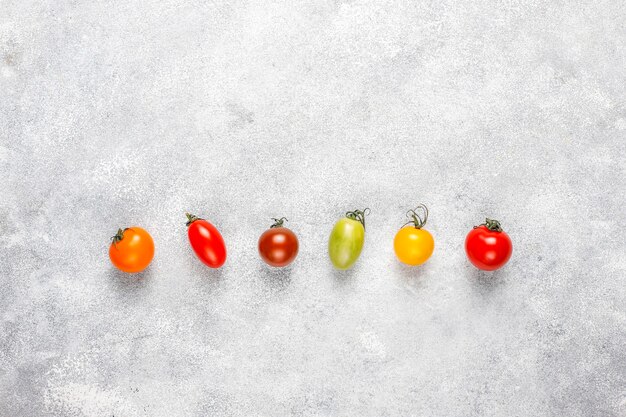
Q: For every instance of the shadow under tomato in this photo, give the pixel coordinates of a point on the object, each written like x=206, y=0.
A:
x=410, y=276
x=204, y=280
x=277, y=278
x=130, y=285
x=203, y=272
x=410, y=273
x=344, y=276
x=486, y=282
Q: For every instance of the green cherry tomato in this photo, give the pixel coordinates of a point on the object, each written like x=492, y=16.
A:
x=346, y=239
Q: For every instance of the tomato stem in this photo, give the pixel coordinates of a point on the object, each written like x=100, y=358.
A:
x=417, y=220
x=191, y=218
x=118, y=236
x=278, y=222
x=359, y=215
x=492, y=225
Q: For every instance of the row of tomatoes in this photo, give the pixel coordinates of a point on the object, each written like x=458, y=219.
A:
x=487, y=246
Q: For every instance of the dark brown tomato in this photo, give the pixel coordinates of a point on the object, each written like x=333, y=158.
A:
x=278, y=246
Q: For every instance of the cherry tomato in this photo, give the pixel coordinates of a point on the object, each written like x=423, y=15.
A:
x=206, y=241
x=346, y=239
x=487, y=246
x=132, y=249
x=414, y=245
x=278, y=246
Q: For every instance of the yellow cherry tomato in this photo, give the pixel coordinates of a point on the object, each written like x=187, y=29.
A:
x=412, y=244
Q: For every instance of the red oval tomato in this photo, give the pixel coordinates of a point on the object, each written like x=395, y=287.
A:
x=487, y=246
x=278, y=246
x=206, y=241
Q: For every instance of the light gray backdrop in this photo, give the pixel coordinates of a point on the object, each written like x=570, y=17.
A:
x=120, y=113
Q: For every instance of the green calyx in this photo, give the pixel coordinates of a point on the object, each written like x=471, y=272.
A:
x=191, y=218
x=414, y=217
x=278, y=222
x=492, y=225
x=118, y=236
x=358, y=215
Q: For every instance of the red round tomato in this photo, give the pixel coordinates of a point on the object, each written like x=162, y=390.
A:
x=278, y=246
x=206, y=241
x=487, y=246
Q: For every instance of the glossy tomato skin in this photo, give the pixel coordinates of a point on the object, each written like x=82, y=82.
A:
x=278, y=246
x=207, y=242
x=413, y=246
x=134, y=250
x=487, y=249
x=346, y=242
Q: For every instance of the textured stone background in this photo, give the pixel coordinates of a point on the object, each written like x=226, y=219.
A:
x=117, y=113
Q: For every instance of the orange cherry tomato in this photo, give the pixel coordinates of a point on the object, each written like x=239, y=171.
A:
x=132, y=249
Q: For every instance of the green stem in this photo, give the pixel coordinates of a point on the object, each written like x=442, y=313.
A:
x=118, y=236
x=191, y=218
x=278, y=222
x=358, y=215
x=417, y=220
x=492, y=225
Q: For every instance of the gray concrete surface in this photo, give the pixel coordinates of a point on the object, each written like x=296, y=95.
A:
x=118, y=113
